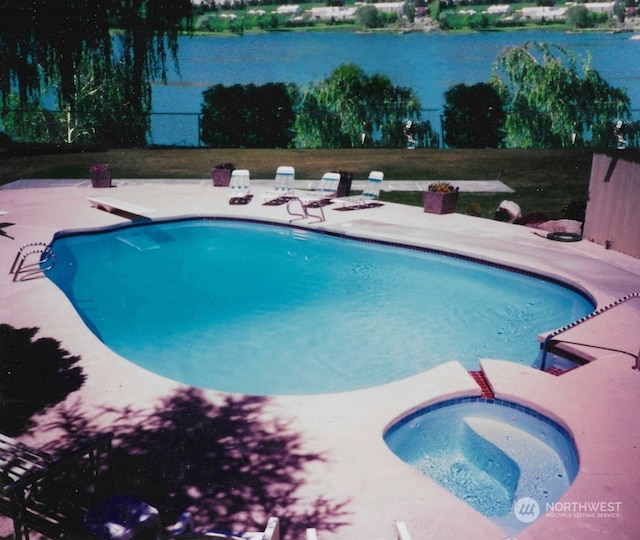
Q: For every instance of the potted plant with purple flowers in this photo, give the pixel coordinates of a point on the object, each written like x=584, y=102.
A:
x=221, y=174
x=440, y=198
x=100, y=175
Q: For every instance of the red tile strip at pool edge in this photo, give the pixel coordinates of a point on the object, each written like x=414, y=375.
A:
x=483, y=383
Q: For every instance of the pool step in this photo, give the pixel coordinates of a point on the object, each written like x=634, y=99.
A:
x=483, y=383
x=555, y=370
x=559, y=361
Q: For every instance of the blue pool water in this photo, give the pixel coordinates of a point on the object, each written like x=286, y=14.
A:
x=263, y=309
x=492, y=454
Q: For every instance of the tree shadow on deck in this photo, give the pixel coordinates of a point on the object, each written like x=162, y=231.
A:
x=222, y=461
x=35, y=374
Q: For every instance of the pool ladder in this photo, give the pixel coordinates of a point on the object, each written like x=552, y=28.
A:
x=46, y=261
x=619, y=301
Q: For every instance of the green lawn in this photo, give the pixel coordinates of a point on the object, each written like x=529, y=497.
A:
x=543, y=180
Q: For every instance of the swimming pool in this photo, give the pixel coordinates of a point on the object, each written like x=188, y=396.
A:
x=263, y=309
x=505, y=460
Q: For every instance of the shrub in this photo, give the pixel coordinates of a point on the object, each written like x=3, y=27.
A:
x=473, y=209
x=574, y=209
x=248, y=116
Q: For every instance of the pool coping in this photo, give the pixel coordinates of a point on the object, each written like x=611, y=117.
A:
x=592, y=402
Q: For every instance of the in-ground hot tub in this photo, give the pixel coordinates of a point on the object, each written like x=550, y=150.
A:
x=505, y=460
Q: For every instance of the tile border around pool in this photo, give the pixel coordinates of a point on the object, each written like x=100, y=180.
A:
x=338, y=234
x=403, y=420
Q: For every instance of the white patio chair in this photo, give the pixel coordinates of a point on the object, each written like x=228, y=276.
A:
x=239, y=186
x=283, y=185
x=369, y=195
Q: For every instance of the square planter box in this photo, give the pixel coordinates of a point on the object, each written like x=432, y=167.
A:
x=439, y=203
x=100, y=178
x=221, y=177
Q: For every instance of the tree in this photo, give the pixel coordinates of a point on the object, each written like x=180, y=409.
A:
x=554, y=101
x=37, y=373
x=350, y=109
x=248, y=115
x=106, y=111
x=473, y=117
x=436, y=9
x=29, y=122
x=578, y=17
x=620, y=10
x=368, y=16
x=46, y=45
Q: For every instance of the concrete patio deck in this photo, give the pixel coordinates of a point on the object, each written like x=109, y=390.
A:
x=597, y=403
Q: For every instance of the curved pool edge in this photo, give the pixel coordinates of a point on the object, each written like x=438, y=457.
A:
x=595, y=400
x=576, y=301
x=347, y=232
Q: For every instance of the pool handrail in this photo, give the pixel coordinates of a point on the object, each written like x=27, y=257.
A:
x=317, y=198
x=46, y=261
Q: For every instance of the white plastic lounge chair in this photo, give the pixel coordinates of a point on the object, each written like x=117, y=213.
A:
x=402, y=533
x=184, y=530
x=370, y=193
x=283, y=186
x=317, y=198
x=326, y=189
x=239, y=187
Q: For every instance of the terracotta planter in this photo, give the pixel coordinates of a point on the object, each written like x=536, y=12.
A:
x=439, y=203
x=100, y=176
x=221, y=177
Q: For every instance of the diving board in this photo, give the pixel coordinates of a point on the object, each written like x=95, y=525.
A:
x=118, y=206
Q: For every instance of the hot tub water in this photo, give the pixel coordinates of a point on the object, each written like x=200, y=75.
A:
x=489, y=453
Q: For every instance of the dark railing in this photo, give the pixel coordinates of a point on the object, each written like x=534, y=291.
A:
x=183, y=128
x=47, y=493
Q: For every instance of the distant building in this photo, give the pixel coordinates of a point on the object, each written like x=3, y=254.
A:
x=549, y=13
x=390, y=7
x=228, y=3
x=337, y=13
x=553, y=13
x=499, y=9
x=600, y=7
x=292, y=9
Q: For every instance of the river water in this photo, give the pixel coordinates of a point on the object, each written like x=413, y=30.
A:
x=428, y=63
